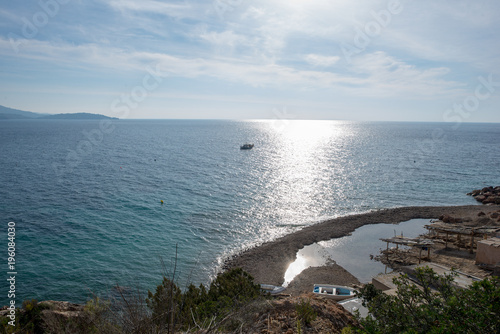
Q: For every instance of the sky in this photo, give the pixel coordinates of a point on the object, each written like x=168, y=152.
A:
x=391, y=60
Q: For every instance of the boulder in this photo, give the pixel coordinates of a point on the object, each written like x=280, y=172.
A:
x=476, y=192
x=489, y=199
x=480, y=198
x=481, y=214
x=450, y=220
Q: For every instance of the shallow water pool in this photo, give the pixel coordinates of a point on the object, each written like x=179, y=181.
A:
x=353, y=252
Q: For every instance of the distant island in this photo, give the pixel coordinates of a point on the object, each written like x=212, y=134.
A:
x=9, y=113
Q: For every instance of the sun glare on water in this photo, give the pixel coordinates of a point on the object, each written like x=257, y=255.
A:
x=304, y=151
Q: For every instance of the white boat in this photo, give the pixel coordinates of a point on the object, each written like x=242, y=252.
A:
x=272, y=289
x=246, y=147
x=336, y=292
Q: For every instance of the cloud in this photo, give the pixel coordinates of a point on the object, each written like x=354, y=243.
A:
x=226, y=38
x=181, y=10
x=376, y=74
x=388, y=76
x=321, y=61
x=431, y=50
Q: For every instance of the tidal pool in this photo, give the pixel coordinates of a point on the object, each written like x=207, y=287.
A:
x=353, y=252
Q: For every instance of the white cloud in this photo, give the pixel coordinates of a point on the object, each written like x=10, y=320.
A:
x=388, y=76
x=431, y=50
x=374, y=74
x=225, y=39
x=321, y=61
x=152, y=6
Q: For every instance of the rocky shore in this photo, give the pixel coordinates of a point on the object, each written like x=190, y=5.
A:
x=487, y=195
x=268, y=263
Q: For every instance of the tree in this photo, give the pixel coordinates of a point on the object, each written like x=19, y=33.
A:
x=196, y=307
x=437, y=306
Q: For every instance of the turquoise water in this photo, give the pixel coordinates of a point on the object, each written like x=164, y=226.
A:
x=86, y=199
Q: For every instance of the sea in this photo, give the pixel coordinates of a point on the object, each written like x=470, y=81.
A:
x=97, y=204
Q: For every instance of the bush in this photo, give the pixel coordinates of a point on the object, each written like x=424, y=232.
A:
x=167, y=310
x=28, y=320
x=197, y=307
x=305, y=312
x=437, y=307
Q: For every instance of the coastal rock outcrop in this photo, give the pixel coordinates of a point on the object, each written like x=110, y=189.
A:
x=450, y=220
x=50, y=316
x=488, y=195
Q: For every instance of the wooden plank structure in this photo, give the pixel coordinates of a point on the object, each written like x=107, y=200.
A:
x=412, y=242
x=459, y=230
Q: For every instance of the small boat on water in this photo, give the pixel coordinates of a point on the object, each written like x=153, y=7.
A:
x=246, y=147
x=272, y=289
x=336, y=292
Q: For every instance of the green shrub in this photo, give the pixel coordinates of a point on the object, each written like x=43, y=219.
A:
x=165, y=304
x=197, y=307
x=28, y=320
x=167, y=310
x=437, y=307
x=305, y=312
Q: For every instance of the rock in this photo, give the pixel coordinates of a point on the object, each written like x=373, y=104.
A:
x=480, y=198
x=489, y=199
x=481, y=214
x=487, y=195
x=492, y=199
x=484, y=221
x=61, y=310
x=444, y=218
x=450, y=220
x=495, y=215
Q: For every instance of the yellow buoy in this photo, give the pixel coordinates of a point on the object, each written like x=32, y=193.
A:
x=161, y=201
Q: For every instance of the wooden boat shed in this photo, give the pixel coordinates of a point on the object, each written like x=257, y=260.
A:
x=413, y=242
x=468, y=231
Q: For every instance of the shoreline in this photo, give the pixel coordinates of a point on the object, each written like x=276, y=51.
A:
x=268, y=262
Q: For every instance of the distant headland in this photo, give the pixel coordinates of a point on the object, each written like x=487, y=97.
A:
x=9, y=113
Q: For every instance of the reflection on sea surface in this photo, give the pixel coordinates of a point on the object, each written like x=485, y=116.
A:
x=304, y=169
x=353, y=252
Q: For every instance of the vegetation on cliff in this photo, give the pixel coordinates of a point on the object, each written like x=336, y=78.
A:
x=234, y=303
x=435, y=306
